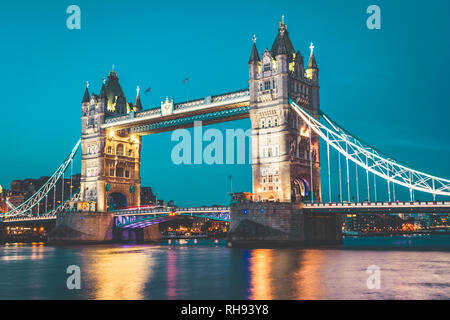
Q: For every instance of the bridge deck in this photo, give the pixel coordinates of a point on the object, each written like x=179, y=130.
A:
x=442, y=207
x=211, y=109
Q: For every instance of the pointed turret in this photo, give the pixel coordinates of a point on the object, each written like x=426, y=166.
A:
x=115, y=98
x=298, y=57
x=137, y=102
x=254, y=57
x=86, y=96
x=103, y=90
x=312, y=69
x=282, y=43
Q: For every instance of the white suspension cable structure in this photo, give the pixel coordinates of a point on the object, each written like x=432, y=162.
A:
x=25, y=209
x=372, y=160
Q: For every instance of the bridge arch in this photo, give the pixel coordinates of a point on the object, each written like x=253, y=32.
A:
x=300, y=189
x=116, y=200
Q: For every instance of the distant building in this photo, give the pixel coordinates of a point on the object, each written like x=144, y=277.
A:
x=147, y=196
x=241, y=197
x=21, y=190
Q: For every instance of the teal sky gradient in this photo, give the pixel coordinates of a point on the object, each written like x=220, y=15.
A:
x=389, y=87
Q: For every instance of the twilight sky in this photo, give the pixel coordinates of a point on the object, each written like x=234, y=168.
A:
x=389, y=87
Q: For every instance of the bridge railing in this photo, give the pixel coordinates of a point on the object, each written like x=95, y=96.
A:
x=239, y=96
x=379, y=204
x=170, y=209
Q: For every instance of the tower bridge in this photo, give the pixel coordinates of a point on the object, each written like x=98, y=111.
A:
x=287, y=123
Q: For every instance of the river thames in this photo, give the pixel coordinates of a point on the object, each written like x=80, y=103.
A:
x=410, y=268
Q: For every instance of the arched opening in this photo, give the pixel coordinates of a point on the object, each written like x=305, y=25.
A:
x=116, y=201
x=300, y=190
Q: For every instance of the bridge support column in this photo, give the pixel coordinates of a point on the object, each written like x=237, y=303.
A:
x=147, y=234
x=82, y=227
x=3, y=234
x=267, y=224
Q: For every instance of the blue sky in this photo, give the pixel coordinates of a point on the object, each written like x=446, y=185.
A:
x=388, y=86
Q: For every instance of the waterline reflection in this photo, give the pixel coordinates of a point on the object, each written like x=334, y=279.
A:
x=119, y=273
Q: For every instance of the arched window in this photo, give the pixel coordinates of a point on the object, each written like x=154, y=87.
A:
x=275, y=122
x=270, y=152
x=263, y=124
x=119, y=150
x=269, y=124
x=130, y=152
x=109, y=150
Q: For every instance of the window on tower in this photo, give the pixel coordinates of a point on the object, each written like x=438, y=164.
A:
x=119, y=150
x=266, y=85
x=266, y=66
x=119, y=172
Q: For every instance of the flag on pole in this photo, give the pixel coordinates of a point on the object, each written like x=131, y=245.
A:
x=148, y=90
x=186, y=81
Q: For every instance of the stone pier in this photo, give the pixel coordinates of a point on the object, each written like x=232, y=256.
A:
x=148, y=234
x=96, y=227
x=268, y=224
x=82, y=227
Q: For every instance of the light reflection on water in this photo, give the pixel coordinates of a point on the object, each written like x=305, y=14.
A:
x=209, y=270
x=118, y=273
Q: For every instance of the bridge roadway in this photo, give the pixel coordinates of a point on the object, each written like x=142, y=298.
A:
x=170, y=116
x=134, y=217
x=380, y=207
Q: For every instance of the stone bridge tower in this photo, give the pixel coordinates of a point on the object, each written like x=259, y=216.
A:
x=286, y=163
x=110, y=160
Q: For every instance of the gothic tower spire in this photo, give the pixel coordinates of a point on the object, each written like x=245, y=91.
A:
x=254, y=56
x=137, y=103
x=86, y=96
x=312, y=69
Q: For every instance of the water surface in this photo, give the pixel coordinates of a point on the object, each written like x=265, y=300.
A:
x=411, y=268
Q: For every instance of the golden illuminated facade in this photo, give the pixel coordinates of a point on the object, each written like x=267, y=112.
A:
x=110, y=163
x=286, y=164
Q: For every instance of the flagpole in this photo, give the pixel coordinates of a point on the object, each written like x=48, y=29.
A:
x=187, y=90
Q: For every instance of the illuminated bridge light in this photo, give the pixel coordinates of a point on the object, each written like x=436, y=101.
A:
x=245, y=211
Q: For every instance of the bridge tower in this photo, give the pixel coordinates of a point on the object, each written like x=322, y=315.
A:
x=285, y=153
x=110, y=160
